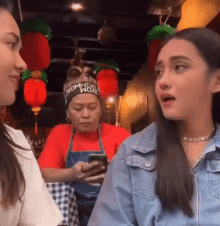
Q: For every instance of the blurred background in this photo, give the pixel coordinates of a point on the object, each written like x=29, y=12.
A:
x=128, y=23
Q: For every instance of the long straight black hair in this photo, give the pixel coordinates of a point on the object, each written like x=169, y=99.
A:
x=174, y=185
x=11, y=175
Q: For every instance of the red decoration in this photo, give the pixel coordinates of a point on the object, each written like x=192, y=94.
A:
x=108, y=82
x=35, y=95
x=35, y=51
x=153, y=52
x=35, y=92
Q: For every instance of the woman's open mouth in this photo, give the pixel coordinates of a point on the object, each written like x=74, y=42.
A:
x=167, y=100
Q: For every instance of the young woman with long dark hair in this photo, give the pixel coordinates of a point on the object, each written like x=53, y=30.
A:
x=24, y=198
x=169, y=174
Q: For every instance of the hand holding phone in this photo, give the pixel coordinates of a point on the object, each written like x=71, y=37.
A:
x=99, y=157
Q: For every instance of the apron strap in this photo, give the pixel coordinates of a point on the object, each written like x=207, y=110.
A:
x=70, y=147
x=100, y=140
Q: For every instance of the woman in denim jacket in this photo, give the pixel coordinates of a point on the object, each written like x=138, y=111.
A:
x=169, y=174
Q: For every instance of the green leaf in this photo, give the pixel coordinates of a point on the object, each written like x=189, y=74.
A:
x=44, y=77
x=111, y=62
x=158, y=32
x=37, y=25
x=26, y=75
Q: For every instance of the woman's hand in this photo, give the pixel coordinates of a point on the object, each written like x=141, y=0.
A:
x=91, y=173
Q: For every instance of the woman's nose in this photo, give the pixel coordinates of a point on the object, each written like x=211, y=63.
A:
x=163, y=86
x=20, y=64
x=85, y=113
x=164, y=82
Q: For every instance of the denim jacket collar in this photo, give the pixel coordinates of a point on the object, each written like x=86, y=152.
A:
x=146, y=140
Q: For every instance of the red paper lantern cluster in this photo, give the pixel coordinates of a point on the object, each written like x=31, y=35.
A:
x=108, y=82
x=36, y=54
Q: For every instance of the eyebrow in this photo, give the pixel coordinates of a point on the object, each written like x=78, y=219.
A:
x=14, y=35
x=86, y=103
x=180, y=57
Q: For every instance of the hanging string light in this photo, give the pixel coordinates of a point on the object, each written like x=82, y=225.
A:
x=20, y=12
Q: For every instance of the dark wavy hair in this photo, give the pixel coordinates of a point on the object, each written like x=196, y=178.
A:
x=11, y=175
x=174, y=185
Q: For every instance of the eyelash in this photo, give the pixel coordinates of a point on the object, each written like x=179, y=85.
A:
x=178, y=65
x=12, y=43
x=157, y=72
x=91, y=108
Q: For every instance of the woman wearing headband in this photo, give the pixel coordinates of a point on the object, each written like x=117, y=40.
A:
x=24, y=197
x=66, y=153
x=169, y=174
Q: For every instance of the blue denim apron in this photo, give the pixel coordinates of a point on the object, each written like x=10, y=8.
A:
x=86, y=194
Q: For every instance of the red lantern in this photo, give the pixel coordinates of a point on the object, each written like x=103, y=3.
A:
x=35, y=51
x=108, y=82
x=153, y=50
x=35, y=95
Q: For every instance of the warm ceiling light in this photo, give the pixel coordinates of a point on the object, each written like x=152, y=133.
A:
x=77, y=6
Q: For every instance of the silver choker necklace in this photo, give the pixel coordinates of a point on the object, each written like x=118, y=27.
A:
x=198, y=139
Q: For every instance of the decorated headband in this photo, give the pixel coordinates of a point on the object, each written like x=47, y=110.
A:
x=80, y=88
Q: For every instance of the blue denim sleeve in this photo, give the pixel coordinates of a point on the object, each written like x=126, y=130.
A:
x=114, y=205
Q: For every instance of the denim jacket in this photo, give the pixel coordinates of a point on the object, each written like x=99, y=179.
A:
x=127, y=196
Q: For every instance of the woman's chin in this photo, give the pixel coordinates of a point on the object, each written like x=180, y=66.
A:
x=172, y=117
x=9, y=100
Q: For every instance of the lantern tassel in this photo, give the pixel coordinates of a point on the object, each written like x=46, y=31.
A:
x=35, y=129
x=36, y=110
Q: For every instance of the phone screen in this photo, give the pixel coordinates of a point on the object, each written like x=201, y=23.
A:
x=99, y=157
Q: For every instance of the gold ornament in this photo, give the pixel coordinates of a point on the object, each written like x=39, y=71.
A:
x=36, y=74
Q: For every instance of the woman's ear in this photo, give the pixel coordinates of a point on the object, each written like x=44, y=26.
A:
x=216, y=85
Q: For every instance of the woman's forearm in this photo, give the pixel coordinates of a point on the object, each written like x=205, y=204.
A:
x=57, y=175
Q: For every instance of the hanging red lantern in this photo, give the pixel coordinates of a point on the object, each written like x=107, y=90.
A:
x=153, y=51
x=154, y=38
x=108, y=82
x=35, y=51
x=35, y=94
x=36, y=54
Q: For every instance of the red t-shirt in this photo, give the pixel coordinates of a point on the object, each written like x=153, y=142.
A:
x=56, y=147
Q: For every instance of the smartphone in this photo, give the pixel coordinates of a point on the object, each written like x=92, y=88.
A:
x=99, y=157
